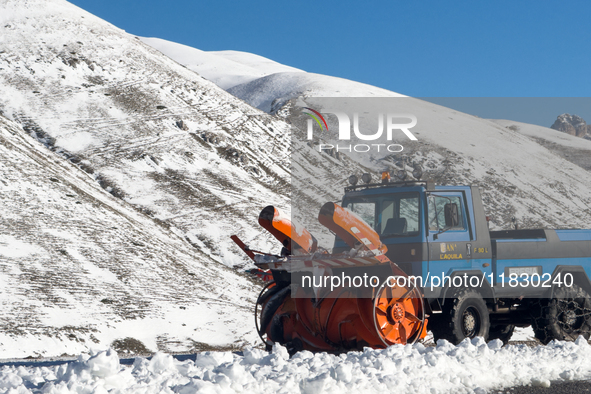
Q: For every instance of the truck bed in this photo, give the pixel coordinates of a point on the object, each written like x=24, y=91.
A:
x=538, y=252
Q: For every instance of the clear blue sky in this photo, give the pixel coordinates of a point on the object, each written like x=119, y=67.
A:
x=423, y=49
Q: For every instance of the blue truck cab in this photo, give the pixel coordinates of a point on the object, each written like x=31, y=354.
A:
x=478, y=282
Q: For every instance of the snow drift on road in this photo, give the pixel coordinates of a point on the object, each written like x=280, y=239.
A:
x=470, y=367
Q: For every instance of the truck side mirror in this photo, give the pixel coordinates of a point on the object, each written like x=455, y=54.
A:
x=450, y=210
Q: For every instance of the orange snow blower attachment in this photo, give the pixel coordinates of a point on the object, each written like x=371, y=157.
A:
x=352, y=229
x=335, y=303
x=295, y=238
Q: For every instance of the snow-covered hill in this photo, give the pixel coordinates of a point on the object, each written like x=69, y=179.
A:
x=80, y=268
x=148, y=129
x=259, y=81
x=224, y=68
x=273, y=91
x=534, y=174
x=519, y=175
x=197, y=164
x=572, y=148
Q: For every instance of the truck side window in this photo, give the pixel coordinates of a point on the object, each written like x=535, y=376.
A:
x=437, y=213
x=399, y=217
x=388, y=212
x=394, y=215
x=409, y=209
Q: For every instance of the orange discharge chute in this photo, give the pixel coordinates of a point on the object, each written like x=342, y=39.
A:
x=340, y=318
x=352, y=229
x=296, y=239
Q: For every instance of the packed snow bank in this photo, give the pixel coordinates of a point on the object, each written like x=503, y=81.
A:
x=469, y=367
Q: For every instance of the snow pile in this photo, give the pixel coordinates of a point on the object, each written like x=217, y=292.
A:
x=469, y=367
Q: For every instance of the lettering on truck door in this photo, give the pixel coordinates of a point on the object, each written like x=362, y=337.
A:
x=451, y=247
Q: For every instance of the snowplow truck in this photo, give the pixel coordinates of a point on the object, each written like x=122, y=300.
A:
x=410, y=257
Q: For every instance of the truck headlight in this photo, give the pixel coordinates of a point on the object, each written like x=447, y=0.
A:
x=417, y=173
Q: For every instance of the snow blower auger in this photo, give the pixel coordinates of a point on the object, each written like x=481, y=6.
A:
x=303, y=308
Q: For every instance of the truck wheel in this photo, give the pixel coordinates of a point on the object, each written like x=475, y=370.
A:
x=466, y=316
x=504, y=332
x=564, y=317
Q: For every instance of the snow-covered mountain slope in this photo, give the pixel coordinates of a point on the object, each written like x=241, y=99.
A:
x=518, y=176
x=151, y=131
x=522, y=174
x=201, y=163
x=80, y=268
x=271, y=92
x=261, y=82
x=574, y=149
x=224, y=68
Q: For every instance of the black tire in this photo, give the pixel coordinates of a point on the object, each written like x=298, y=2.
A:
x=564, y=317
x=269, y=309
x=465, y=316
x=504, y=332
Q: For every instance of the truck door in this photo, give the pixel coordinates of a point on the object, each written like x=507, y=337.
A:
x=450, y=248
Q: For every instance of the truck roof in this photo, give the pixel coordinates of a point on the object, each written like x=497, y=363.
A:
x=376, y=188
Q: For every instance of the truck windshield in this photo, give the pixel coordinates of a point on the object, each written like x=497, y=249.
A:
x=391, y=215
